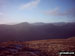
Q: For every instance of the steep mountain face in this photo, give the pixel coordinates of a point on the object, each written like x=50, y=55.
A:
x=26, y=31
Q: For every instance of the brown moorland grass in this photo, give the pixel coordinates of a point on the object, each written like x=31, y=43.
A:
x=50, y=47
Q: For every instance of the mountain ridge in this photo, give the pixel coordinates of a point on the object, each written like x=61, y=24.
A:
x=26, y=31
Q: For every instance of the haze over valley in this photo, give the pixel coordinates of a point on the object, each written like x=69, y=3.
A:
x=36, y=31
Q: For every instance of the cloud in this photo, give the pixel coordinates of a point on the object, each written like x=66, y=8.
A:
x=30, y=4
x=56, y=12
x=2, y=4
x=1, y=14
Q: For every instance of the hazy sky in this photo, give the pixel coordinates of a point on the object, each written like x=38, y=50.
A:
x=15, y=11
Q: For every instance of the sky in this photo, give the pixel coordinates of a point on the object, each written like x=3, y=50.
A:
x=47, y=11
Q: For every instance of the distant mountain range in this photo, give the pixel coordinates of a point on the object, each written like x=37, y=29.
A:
x=36, y=31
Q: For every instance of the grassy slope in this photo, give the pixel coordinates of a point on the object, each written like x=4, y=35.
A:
x=50, y=47
x=53, y=46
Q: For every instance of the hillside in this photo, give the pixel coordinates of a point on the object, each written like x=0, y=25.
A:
x=36, y=31
x=50, y=47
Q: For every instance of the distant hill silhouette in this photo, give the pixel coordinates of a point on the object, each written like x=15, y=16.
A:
x=36, y=31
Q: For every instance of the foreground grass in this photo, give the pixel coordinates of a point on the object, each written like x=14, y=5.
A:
x=50, y=47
